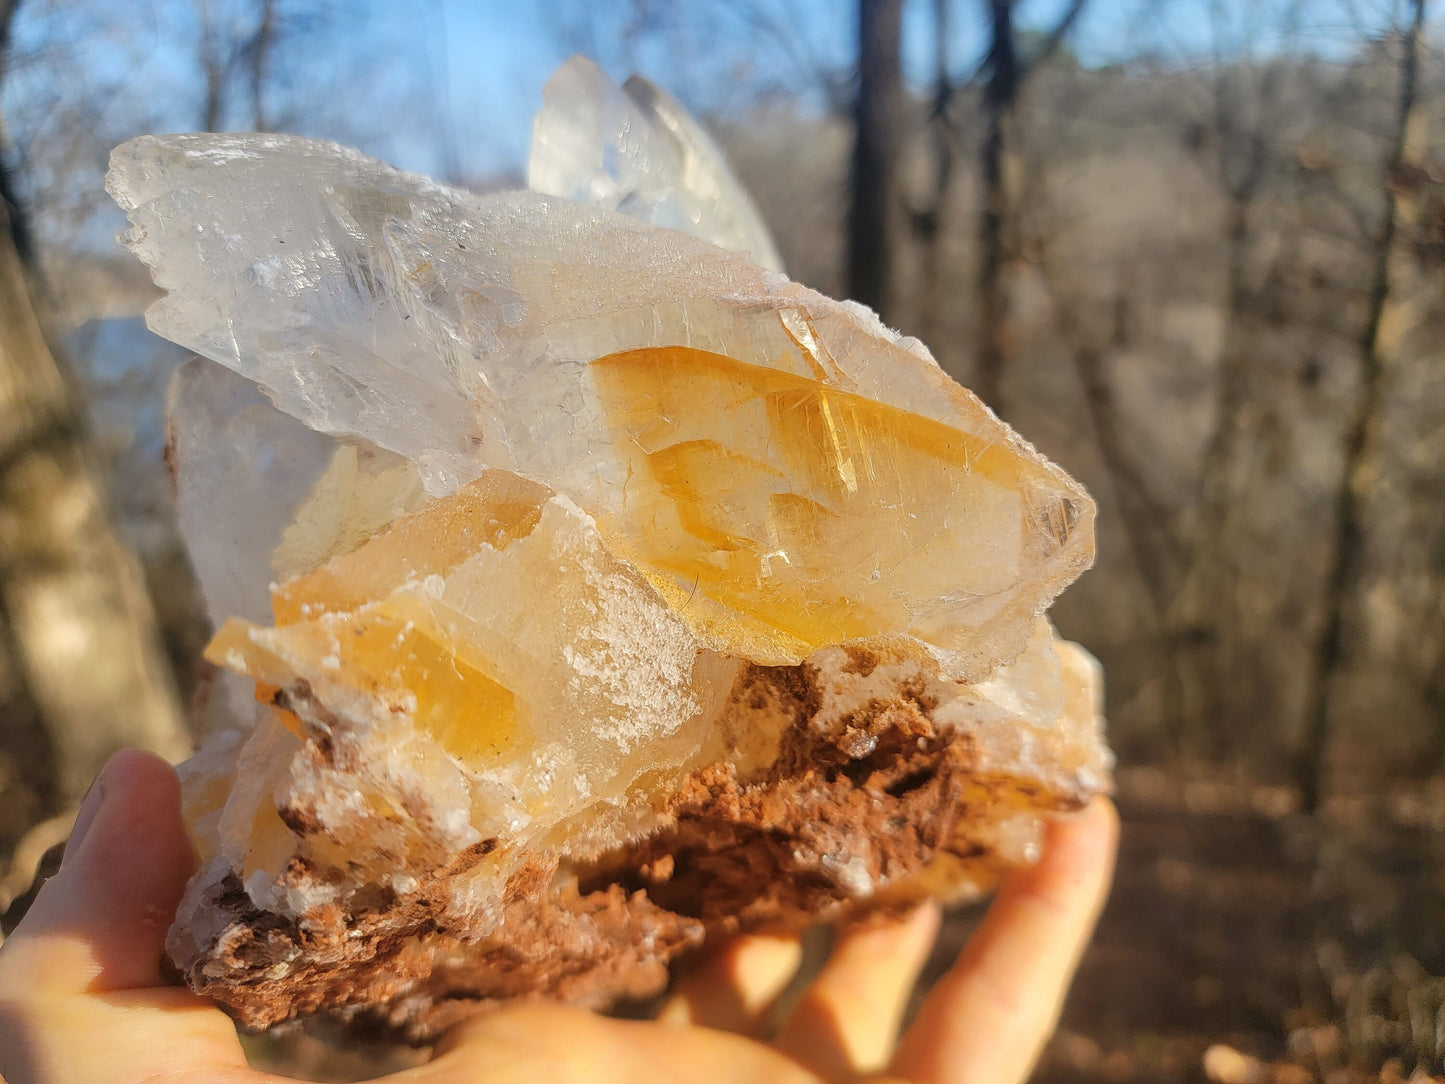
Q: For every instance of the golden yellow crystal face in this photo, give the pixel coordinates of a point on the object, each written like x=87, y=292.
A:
x=368, y=621
x=393, y=651
x=495, y=510
x=806, y=515
x=494, y=621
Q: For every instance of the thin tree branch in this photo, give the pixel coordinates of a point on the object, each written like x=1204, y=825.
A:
x=1349, y=542
x=18, y=221
x=213, y=69
x=8, y=8
x=258, y=53
x=1053, y=39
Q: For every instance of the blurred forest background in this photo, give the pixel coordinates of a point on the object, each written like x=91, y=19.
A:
x=1193, y=249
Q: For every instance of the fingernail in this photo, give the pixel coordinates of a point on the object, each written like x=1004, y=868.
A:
x=89, y=807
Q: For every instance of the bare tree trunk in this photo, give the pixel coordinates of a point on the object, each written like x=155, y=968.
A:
x=1006, y=75
x=1201, y=621
x=1203, y=628
x=998, y=97
x=928, y=221
x=1216, y=493
x=1432, y=636
x=9, y=197
x=1145, y=520
x=75, y=600
x=878, y=118
x=8, y=8
x=1431, y=758
x=213, y=69
x=1391, y=310
x=1241, y=180
x=1146, y=523
x=258, y=55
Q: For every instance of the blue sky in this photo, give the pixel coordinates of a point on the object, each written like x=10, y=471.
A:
x=448, y=87
x=497, y=55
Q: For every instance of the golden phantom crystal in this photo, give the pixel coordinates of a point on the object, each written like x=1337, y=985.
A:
x=814, y=515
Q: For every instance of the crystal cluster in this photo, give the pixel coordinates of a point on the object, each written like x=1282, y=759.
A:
x=583, y=589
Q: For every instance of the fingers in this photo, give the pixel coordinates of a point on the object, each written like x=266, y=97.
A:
x=847, y=1021
x=562, y=1045
x=989, y=1017
x=78, y=977
x=733, y=988
x=100, y=923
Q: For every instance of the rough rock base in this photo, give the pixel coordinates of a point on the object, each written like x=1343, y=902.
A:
x=885, y=799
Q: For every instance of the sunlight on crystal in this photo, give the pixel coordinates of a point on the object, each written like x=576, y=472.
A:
x=494, y=511
x=816, y=514
x=369, y=619
x=393, y=651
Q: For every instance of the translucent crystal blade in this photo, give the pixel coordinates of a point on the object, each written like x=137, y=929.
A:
x=242, y=469
x=261, y=497
x=634, y=149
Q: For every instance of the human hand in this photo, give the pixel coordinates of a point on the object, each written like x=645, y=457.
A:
x=82, y=1000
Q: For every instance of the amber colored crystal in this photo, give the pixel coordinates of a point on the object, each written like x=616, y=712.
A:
x=813, y=514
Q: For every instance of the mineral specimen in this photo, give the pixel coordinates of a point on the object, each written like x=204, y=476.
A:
x=593, y=591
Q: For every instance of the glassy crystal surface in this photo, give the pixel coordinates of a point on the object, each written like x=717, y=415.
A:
x=794, y=514
x=635, y=150
x=583, y=590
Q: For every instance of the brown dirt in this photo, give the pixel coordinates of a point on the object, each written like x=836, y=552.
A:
x=1235, y=920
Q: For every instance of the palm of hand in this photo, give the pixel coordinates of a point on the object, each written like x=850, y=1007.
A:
x=82, y=999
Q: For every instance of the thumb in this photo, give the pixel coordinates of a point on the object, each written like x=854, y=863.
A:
x=100, y=923
x=80, y=996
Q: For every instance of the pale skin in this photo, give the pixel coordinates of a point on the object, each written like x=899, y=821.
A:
x=82, y=999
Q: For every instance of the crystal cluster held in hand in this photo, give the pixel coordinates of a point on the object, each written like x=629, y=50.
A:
x=584, y=588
